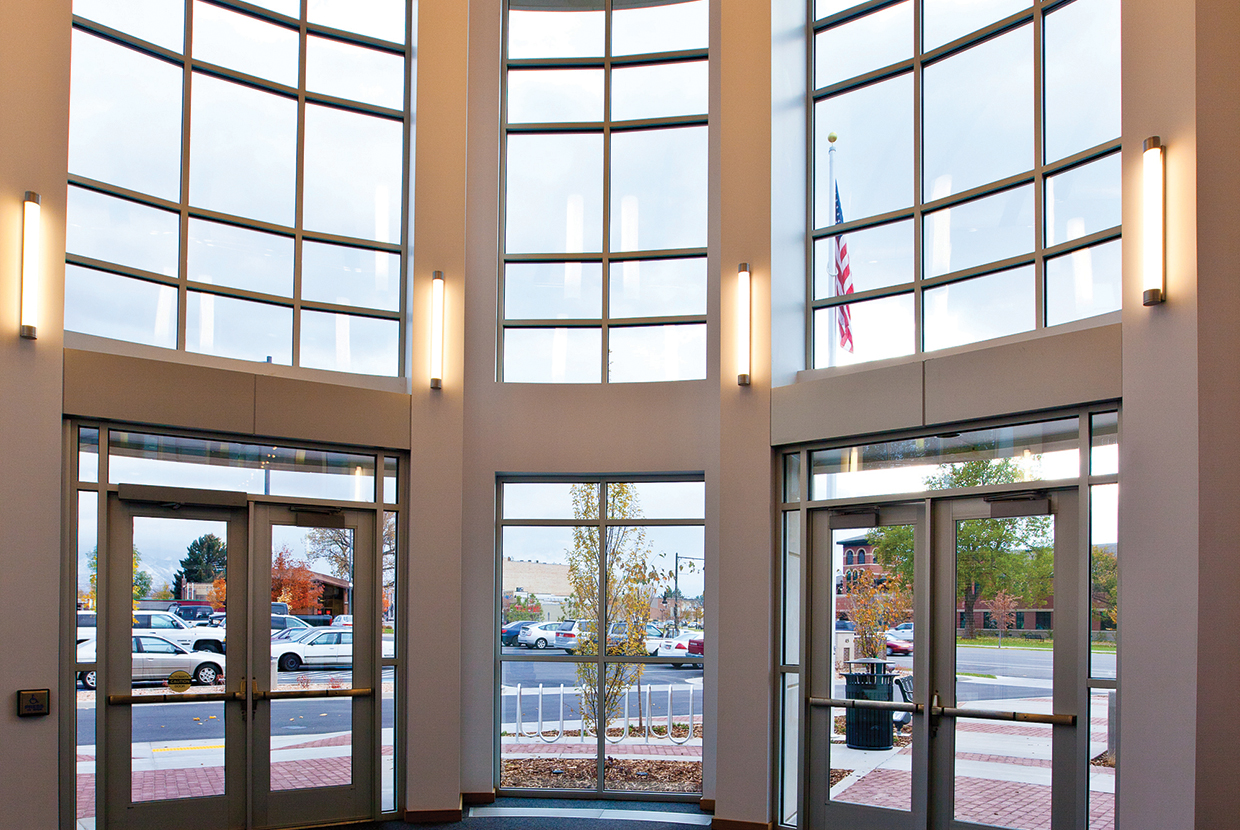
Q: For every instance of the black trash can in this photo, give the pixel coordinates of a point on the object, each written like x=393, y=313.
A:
x=868, y=728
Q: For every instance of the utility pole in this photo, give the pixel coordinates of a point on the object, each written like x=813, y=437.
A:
x=676, y=587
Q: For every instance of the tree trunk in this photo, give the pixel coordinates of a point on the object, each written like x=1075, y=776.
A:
x=970, y=600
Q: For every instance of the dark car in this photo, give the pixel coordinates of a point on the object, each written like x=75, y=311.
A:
x=845, y=625
x=508, y=632
x=898, y=646
x=697, y=646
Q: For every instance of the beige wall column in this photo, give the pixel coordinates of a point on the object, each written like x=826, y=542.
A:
x=739, y=496
x=34, y=135
x=432, y=604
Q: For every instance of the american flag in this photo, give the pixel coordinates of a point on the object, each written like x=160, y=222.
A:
x=843, y=278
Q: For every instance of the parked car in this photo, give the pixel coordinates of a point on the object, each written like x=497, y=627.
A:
x=617, y=634
x=317, y=648
x=279, y=607
x=697, y=646
x=845, y=625
x=509, y=631
x=280, y=622
x=539, y=635
x=86, y=626
x=155, y=658
x=677, y=646
x=572, y=634
x=897, y=646
x=171, y=627
x=343, y=619
x=903, y=631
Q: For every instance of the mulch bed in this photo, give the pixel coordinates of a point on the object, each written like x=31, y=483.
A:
x=621, y=774
x=1103, y=759
x=838, y=775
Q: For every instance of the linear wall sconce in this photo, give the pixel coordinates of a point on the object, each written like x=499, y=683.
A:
x=437, y=330
x=1153, y=223
x=743, y=324
x=31, y=220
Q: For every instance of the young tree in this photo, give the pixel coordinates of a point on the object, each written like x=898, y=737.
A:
x=991, y=554
x=164, y=591
x=525, y=608
x=218, y=597
x=1003, y=612
x=141, y=579
x=292, y=582
x=205, y=559
x=629, y=586
x=867, y=613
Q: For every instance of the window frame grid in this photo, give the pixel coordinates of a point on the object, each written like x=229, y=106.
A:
x=1036, y=176
x=605, y=128
x=185, y=62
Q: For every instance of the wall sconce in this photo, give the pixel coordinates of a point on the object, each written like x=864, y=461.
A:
x=743, y=320
x=1154, y=224
x=437, y=330
x=30, y=265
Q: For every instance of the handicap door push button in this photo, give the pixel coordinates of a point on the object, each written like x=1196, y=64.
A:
x=33, y=702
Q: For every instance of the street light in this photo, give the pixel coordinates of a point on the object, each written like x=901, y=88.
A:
x=676, y=582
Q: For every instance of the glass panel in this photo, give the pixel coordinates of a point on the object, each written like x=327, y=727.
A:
x=665, y=27
x=188, y=560
x=1042, y=451
x=792, y=477
x=657, y=287
x=981, y=231
x=872, y=605
x=389, y=480
x=638, y=705
x=289, y=8
x=877, y=257
x=824, y=8
x=1083, y=283
x=542, y=501
x=229, y=327
x=1083, y=200
x=120, y=231
x=384, y=19
x=576, y=32
x=243, y=151
x=657, y=500
x=946, y=20
x=640, y=354
x=1104, y=452
x=88, y=454
x=1103, y=759
x=552, y=355
x=125, y=119
x=343, y=70
x=350, y=276
x=658, y=189
x=174, y=461
x=570, y=760
x=790, y=738
x=1082, y=76
x=863, y=331
x=874, y=144
x=1103, y=579
x=240, y=258
x=979, y=115
x=84, y=705
x=792, y=588
x=113, y=306
x=155, y=21
x=535, y=581
x=554, y=95
x=321, y=659
x=659, y=90
x=863, y=44
x=387, y=742
x=979, y=309
x=348, y=343
x=245, y=44
x=553, y=290
x=660, y=563
x=1004, y=587
x=389, y=619
x=555, y=193
x=353, y=174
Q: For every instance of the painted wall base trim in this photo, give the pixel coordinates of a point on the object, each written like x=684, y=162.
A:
x=471, y=799
x=433, y=816
x=707, y=805
x=732, y=824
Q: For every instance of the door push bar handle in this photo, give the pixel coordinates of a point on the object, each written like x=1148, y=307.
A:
x=884, y=705
x=305, y=693
x=209, y=697
x=988, y=714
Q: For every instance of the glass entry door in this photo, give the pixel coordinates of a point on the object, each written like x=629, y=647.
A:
x=946, y=657
x=210, y=720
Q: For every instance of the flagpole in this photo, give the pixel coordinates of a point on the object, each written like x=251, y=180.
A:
x=834, y=317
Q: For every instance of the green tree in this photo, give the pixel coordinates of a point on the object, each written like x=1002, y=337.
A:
x=204, y=560
x=1104, y=585
x=991, y=554
x=141, y=579
x=334, y=547
x=629, y=585
x=525, y=608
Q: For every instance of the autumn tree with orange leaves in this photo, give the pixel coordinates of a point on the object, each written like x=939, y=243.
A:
x=293, y=583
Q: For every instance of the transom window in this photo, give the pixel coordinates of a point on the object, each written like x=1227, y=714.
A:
x=966, y=172
x=238, y=178
x=605, y=150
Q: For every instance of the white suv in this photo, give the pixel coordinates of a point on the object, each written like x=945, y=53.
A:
x=172, y=627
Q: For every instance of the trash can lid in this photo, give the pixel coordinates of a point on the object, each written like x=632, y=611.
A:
x=875, y=664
